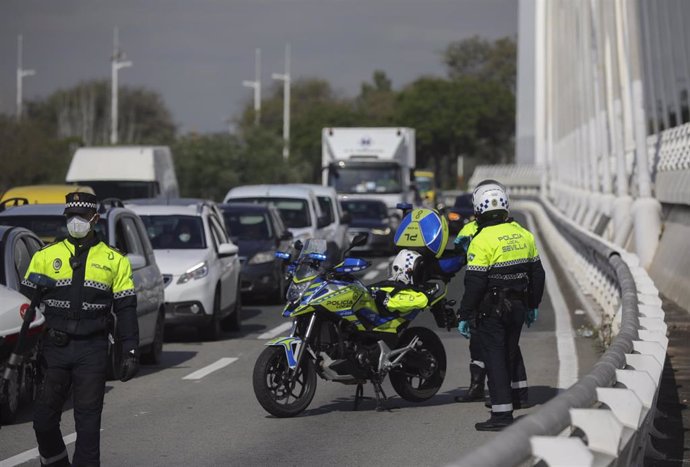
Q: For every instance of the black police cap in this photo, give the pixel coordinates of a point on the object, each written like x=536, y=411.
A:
x=80, y=203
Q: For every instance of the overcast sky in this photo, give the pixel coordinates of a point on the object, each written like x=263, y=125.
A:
x=196, y=53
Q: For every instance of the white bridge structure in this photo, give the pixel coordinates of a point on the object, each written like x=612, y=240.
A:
x=603, y=164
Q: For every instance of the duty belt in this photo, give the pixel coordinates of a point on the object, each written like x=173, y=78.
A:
x=77, y=314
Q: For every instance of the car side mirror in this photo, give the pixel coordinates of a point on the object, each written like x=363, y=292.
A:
x=346, y=218
x=322, y=222
x=137, y=261
x=227, y=249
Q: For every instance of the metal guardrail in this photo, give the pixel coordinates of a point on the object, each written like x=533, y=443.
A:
x=613, y=405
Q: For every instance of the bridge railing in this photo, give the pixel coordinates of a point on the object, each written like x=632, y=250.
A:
x=605, y=418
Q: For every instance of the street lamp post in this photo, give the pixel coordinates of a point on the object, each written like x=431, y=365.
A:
x=117, y=62
x=285, y=78
x=256, y=85
x=21, y=74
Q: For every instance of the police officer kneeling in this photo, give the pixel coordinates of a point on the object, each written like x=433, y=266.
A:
x=91, y=278
x=504, y=283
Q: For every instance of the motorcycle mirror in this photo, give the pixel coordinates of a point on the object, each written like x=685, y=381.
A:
x=298, y=245
x=360, y=239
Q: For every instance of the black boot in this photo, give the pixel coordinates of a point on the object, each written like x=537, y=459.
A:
x=497, y=422
x=476, y=390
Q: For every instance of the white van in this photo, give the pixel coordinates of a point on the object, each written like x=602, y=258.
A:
x=125, y=172
x=297, y=205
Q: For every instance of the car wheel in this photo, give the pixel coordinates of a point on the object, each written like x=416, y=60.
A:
x=211, y=332
x=233, y=322
x=10, y=400
x=153, y=356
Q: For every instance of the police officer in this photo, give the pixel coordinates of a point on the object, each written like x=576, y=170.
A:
x=504, y=283
x=92, y=278
x=475, y=392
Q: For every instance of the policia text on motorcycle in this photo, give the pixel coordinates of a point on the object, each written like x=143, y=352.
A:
x=504, y=284
x=91, y=278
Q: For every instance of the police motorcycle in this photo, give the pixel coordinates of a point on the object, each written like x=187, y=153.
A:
x=21, y=326
x=341, y=334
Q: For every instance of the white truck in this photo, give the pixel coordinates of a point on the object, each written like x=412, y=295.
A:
x=370, y=163
x=125, y=172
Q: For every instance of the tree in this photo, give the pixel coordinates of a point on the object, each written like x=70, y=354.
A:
x=83, y=112
x=376, y=101
x=484, y=60
x=29, y=154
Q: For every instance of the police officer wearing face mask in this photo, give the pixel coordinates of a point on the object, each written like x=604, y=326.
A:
x=504, y=284
x=92, y=278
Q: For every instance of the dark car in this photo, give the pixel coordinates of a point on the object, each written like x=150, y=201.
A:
x=259, y=232
x=370, y=216
x=460, y=214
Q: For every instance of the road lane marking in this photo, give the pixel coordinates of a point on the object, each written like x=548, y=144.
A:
x=275, y=331
x=33, y=453
x=370, y=275
x=565, y=342
x=382, y=266
x=207, y=370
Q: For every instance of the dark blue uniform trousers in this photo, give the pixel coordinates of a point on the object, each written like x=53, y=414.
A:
x=499, y=337
x=80, y=365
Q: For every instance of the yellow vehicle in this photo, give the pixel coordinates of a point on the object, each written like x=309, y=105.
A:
x=40, y=194
x=426, y=184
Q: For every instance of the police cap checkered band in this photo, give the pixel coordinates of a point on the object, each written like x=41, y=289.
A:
x=80, y=203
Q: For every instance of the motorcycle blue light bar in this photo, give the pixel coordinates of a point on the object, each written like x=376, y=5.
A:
x=317, y=256
x=281, y=255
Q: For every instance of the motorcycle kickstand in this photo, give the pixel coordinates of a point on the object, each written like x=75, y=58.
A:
x=359, y=395
x=380, y=396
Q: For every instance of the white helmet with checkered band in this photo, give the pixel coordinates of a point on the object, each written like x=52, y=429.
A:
x=407, y=268
x=489, y=196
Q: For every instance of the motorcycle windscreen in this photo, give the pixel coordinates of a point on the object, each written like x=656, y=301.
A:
x=305, y=269
x=423, y=229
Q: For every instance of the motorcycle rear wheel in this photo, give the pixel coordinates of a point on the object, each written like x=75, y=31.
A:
x=413, y=384
x=271, y=382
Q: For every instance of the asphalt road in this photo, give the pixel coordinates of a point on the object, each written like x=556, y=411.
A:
x=160, y=418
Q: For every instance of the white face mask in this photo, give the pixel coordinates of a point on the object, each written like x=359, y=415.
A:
x=185, y=237
x=78, y=227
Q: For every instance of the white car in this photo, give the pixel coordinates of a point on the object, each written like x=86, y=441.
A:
x=199, y=263
x=335, y=232
x=297, y=204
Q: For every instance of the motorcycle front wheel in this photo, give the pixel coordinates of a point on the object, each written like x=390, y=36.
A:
x=273, y=387
x=422, y=373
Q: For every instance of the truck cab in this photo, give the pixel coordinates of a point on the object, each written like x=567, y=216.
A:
x=370, y=163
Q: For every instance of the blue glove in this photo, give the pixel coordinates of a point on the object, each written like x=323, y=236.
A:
x=464, y=329
x=531, y=316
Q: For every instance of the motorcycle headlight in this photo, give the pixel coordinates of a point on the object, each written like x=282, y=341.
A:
x=295, y=291
x=195, y=272
x=385, y=231
x=262, y=257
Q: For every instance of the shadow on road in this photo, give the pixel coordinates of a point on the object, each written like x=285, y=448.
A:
x=169, y=359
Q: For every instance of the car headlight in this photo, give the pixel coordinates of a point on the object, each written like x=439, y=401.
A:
x=385, y=231
x=195, y=272
x=295, y=291
x=262, y=257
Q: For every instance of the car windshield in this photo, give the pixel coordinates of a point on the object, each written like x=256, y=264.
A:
x=384, y=178
x=306, y=267
x=175, y=232
x=47, y=227
x=293, y=211
x=248, y=225
x=425, y=183
x=359, y=209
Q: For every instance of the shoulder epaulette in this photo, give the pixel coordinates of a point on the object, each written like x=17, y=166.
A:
x=54, y=242
x=115, y=249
